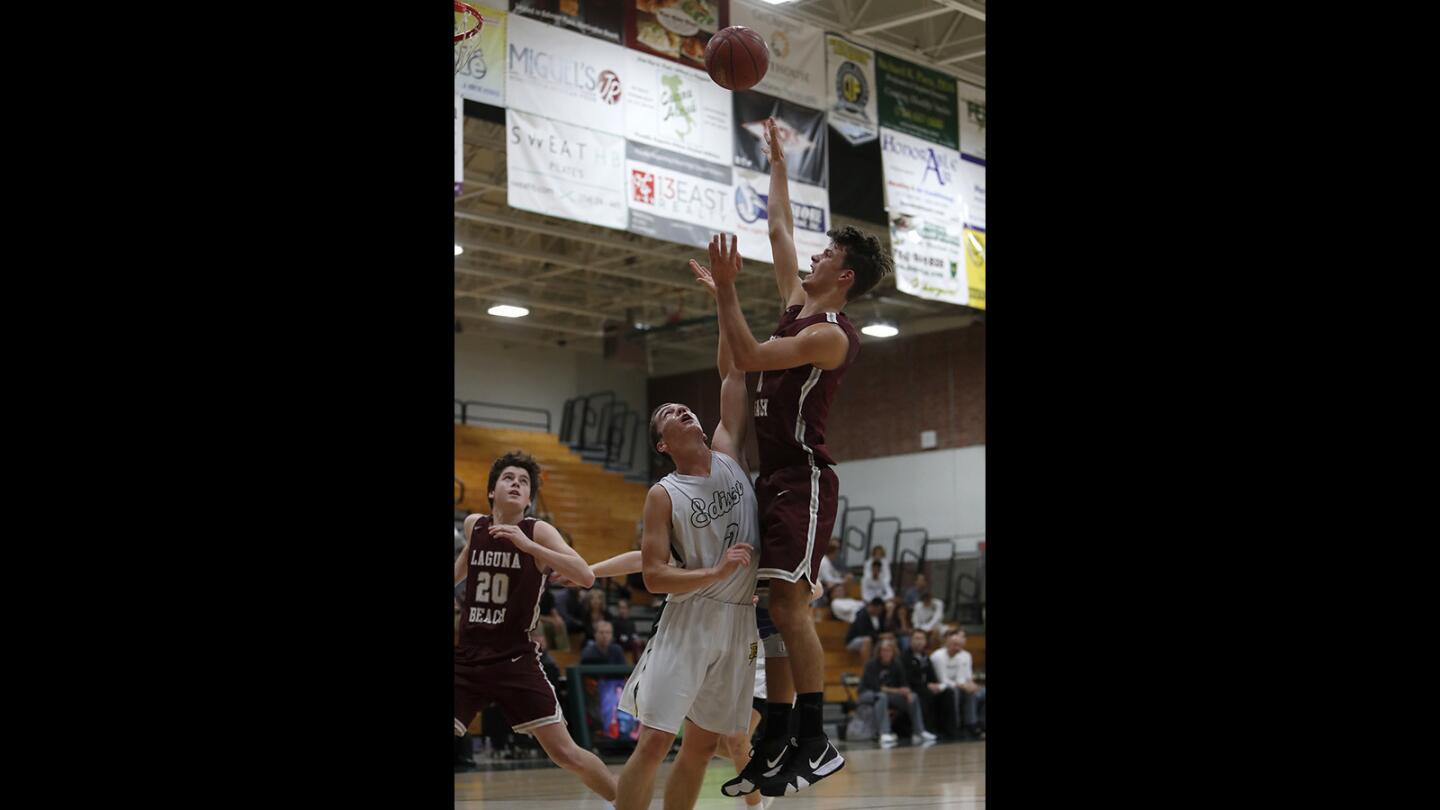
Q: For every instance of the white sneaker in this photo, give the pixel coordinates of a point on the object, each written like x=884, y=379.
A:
x=928, y=737
x=888, y=740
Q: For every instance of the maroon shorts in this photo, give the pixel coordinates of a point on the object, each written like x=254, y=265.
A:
x=526, y=698
x=797, y=514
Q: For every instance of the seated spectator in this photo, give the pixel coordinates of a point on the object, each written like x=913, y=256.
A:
x=596, y=612
x=876, y=585
x=902, y=626
x=912, y=593
x=831, y=573
x=866, y=629
x=927, y=616
x=625, y=634
x=935, y=697
x=571, y=604
x=551, y=623
x=952, y=665
x=603, y=649
x=877, y=554
x=843, y=607
x=884, y=685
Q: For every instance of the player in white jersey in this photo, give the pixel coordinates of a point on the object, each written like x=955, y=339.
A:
x=700, y=546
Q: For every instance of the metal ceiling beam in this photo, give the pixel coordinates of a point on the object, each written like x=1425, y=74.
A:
x=945, y=39
x=870, y=42
x=963, y=57
x=977, y=13
x=904, y=19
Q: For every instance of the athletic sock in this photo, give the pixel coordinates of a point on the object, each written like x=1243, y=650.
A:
x=811, y=706
x=777, y=721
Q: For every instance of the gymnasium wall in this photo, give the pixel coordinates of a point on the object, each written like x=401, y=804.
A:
x=516, y=374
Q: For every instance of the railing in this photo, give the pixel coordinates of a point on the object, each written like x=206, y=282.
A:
x=465, y=408
x=604, y=428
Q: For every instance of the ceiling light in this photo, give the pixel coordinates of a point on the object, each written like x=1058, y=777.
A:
x=776, y=2
x=507, y=311
x=880, y=330
x=458, y=249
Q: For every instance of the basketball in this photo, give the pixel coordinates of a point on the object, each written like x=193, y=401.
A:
x=737, y=58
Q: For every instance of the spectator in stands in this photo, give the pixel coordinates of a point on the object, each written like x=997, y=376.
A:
x=912, y=593
x=901, y=625
x=596, y=612
x=625, y=634
x=952, y=665
x=842, y=606
x=571, y=604
x=603, y=649
x=876, y=585
x=831, y=572
x=884, y=685
x=866, y=629
x=935, y=697
x=927, y=615
x=877, y=554
x=552, y=623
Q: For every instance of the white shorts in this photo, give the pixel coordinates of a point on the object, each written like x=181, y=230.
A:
x=699, y=664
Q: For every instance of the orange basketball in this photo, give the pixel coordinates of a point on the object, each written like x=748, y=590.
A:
x=737, y=58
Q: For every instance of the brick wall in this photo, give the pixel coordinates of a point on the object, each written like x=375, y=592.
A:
x=895, y=390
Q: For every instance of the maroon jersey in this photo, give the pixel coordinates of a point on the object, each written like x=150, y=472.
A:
x=501, y=602
x=791, y=405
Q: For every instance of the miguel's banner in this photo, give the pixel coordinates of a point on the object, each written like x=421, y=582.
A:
x=565, y=76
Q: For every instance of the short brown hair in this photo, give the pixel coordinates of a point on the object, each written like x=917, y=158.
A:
x=515, y=458
x=864, y=256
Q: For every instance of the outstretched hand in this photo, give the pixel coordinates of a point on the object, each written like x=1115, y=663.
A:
x=724, y=260
x=703, y=277
x=774, y=149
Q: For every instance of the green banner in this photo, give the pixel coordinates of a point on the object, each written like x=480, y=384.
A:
x=917, y=101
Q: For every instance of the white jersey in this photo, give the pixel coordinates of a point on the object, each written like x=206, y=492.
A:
x=707, y=516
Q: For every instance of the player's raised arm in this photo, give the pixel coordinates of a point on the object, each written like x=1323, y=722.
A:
x=782, y=222
x=823, y=345
x=660, y=576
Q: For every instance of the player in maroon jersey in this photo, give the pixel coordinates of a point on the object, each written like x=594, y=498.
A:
x=506, y=559
x=801, y=368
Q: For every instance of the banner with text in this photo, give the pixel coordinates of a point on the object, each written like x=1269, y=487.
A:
x=850, y=75
x=602, y=19
x=676, y=197
x=973, y=215
x=565, y=171
x=797, y=56
x=482, y=77
x=972, y=120
x=459, y=143
x=565, y=76
x=916, y=100
x=925, y=186
x=677, y=30
x=809, y=207
x=676, y=108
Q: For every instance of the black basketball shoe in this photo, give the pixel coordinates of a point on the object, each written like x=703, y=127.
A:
x=767, y=759
x=808, y=762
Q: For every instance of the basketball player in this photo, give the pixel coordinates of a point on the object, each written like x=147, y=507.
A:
x=699, y=667
x=503, y=566
x=802, y=365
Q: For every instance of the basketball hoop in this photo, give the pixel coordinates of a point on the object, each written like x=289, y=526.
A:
x=467, y=27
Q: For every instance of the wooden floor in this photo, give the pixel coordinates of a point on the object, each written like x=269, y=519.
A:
x=946, y=775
